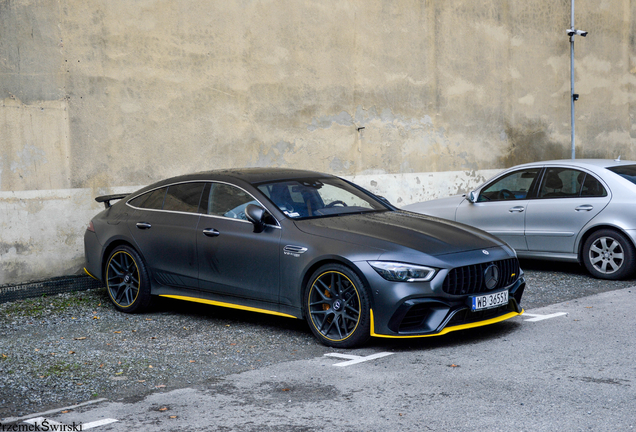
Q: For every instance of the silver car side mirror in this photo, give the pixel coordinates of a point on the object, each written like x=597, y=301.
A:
x=472, y=196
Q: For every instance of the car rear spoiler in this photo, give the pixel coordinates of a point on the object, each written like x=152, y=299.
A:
x=106, y=199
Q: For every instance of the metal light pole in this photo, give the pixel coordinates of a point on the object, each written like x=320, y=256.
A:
x=572, y=31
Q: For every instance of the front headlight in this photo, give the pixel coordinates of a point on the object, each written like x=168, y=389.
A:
x=402, y=272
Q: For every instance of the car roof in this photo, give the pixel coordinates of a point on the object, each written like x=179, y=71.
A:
x=249, y=175
x=589, y=163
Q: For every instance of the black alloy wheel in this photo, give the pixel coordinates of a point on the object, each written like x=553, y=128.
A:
x=337, y=307
x=608, y=254
x=127, y=280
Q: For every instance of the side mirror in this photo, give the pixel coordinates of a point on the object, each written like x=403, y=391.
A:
x=255, y=214
x=472, y=196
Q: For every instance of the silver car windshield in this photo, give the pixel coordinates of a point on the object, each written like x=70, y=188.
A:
x=311, y=198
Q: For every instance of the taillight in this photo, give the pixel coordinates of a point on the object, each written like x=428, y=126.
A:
x=91, y=227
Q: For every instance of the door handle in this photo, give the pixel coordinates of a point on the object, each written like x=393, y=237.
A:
x=143, y=225
x=517, y=209
x=584, y=207
x=211, y=232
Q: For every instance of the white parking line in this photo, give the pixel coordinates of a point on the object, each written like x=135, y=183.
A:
x=353, y=359
x=543, y=317
x=57, y=410
x=94, y=424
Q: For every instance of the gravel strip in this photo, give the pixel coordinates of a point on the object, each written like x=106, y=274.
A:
x=72, y=347
x=69, y=348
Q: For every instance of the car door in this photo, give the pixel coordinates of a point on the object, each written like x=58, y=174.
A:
x=500, y=207
x=163, y=226
x=233, y=259
x=566, y=201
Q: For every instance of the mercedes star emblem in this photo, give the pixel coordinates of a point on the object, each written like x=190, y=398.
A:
x=491, y=276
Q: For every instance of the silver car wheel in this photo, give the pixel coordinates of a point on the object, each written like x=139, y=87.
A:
x=609, y=254
x=606, y=255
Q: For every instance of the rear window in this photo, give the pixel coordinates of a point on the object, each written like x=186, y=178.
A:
x=628, y=172
x=184, y=197
x=151, y=200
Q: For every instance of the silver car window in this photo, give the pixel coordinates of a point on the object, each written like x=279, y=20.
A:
x=561, y=183
x=513, y=186
x=592, y=187
x=570, y=183
x=628, y=172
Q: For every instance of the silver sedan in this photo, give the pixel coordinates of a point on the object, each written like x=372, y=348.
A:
x=581, y=210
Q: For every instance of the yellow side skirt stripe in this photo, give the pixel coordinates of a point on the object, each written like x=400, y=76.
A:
x=448, y=329
x=88, y=273
x=227, y=305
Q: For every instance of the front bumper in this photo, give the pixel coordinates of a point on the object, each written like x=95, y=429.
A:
x=431, y=316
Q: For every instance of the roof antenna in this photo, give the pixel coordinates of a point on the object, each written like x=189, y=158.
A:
x=618, y=159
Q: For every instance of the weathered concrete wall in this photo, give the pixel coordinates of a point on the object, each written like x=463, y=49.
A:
x=42, y=232
x=101, y=94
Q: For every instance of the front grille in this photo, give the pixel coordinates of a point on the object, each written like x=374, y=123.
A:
x=470, y=279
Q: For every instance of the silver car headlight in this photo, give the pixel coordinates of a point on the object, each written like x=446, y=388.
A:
x=403, y=272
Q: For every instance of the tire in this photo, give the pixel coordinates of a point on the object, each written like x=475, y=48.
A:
x=127, y=280
x=337, y=307
x=609, y=254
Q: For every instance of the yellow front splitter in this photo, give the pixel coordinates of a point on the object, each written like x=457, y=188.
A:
x=447, y=329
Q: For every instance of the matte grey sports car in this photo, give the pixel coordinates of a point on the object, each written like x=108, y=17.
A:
x=301, y=244
x=570, y=210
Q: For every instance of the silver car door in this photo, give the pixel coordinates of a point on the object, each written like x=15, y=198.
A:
x=567, y=200
x=500, y=207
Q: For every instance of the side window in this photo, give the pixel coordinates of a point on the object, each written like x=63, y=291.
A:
x=592, y=187
x=514, y=186
x=570, y=183
x=228, y=201
x=139, y=201
x=561, y=183
x=150, y=200
x=184, y=197
x=293, y=198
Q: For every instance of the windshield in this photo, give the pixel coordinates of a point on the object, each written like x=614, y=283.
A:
x=309, y=198
x=628, y=172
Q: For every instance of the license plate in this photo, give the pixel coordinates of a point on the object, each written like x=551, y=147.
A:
x=489, y=301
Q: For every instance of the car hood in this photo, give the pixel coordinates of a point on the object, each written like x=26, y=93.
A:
x=396, y=230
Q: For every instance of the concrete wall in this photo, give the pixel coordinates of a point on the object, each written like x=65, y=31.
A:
x=99, y=95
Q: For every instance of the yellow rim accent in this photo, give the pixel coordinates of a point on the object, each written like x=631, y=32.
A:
x=227, y=305
x=448, y=329
x=138, y=274
x=359, y=303
x=89, y=273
